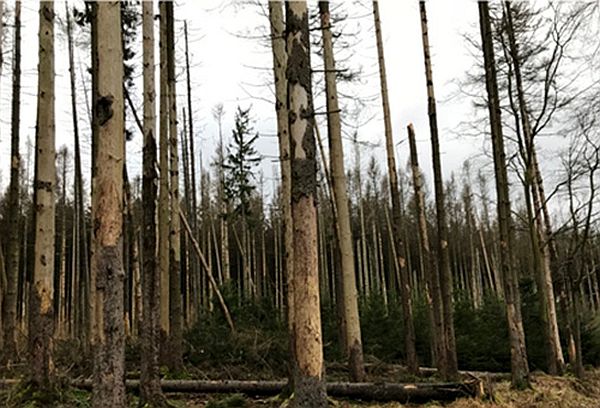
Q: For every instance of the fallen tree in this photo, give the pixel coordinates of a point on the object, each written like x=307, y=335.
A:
x=401, y=392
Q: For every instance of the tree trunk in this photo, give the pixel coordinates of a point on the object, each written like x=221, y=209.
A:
x=81, y=264
x=41, y=307
x=554, y=350
x=343, y=229
x=278, y=42
x=175, y=360
x=163, y=199
x=109, y=341
x=432, y=278
x=309, y=386
x=519, y=366
x=405, y=290
x=9, y=308
x=444, y=271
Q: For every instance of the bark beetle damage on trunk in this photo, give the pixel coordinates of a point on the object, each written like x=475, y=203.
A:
x=304, y=163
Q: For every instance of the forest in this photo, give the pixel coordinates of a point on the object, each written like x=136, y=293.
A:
x=158, y=254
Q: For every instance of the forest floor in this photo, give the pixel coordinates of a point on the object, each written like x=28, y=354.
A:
x=546, y=392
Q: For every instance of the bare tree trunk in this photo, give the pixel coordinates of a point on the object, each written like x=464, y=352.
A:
x=433, y=291
x=62, y=262
x=9, y=308
x=81, y=264
x=519, y=366
x=109, y=342
x=553, y=349
x=163, y=199
x=175, y=360
x=444, y=271
x=343, y=229
x=278, y=42
x=41, y=307
x=309, y=386
x=409, y=330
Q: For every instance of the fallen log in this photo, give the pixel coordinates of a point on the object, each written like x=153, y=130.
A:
x=403, y=393
x=414, y=392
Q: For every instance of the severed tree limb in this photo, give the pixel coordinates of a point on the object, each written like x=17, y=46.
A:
x=211, y=279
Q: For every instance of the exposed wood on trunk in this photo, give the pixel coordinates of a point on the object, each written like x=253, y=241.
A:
x=309, y=387
x=109, y=339
x=41, y=306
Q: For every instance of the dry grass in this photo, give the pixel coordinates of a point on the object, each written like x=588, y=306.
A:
x=547, y=392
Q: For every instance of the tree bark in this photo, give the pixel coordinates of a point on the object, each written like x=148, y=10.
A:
x=432, y=278
x=150, y=391
x=163, y=199
x=405, y=290
x=519, y=365
x=444, y=270
x=554, y=350
x=41, y=312
x=343, y=229
x=109, y=339
x=175, y=358
x=309, y=386
x=9, y=308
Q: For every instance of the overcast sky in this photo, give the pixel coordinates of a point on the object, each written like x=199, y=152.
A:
x=232, y=65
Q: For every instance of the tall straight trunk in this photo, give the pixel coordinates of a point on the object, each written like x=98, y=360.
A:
x=309, y=385
x=444, y=271
x=175, y=306
x=1, y=35
x=163, y=199
x=62, y=262
x=431, y=276
x=9, y=307
x=82, y=264
x=554, y=354
x=343, y=229
x=279, y=67
x=192, y=155
x=41, y=306
x=150, y=391
x=405, y=290
x=109, y=341
x=519, y=366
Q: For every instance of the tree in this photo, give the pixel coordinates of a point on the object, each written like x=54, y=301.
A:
x=352, y=336
x=539, y=231
x=150, y=391
x=433, y=292
x=41, y=313
x=9, y=307
x=409, y=329
x=519, y=365
x=309, y=387
x=444, y=272
x=175, y=357
x=109, y=339
x=240, y=161
x=163, y=198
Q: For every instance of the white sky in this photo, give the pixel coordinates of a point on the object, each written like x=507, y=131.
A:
x=228, y=67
